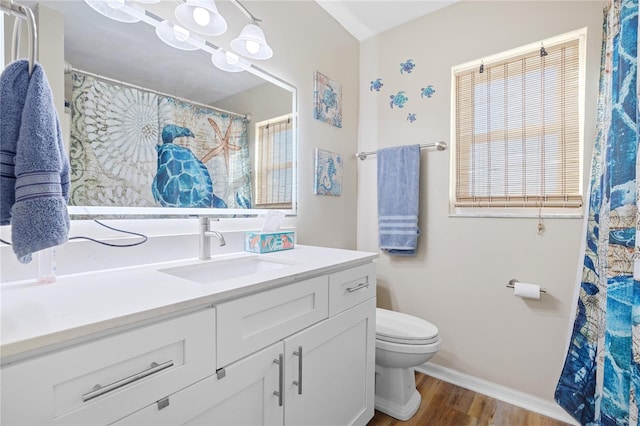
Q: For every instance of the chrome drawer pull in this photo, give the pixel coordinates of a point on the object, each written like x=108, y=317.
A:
x=298, y=382
x=279, y=393
x=358, y=287
x=101, y=390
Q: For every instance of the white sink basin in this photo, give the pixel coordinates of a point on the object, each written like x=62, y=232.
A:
x=219, y=270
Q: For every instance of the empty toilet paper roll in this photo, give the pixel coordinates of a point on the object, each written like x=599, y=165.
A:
x=527, y=291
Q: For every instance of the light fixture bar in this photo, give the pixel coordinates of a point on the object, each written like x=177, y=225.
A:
x=245, y=11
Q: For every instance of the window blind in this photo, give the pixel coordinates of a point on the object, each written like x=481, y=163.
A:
x=517, y=131
x=274, y=165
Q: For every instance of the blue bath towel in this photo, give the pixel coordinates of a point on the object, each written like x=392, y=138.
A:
x=398, y=197
x=34, y=197
x=13, y=89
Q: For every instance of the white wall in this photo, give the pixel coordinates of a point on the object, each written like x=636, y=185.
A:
x=304, y=39
x=311, y=40
x=458, y=279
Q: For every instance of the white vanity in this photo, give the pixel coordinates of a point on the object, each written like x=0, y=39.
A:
x=286, y=343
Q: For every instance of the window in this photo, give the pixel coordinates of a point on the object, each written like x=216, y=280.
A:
x=517, y=130
x=274, y=163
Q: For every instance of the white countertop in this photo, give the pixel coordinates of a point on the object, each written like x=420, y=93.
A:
x=40, y=317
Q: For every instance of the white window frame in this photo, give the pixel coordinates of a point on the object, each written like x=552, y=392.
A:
x=524, y=212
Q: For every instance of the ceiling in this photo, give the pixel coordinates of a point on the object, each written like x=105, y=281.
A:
x=367, y=18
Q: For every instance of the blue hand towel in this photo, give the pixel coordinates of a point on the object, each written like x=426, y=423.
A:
x=39, y=217
x=398, y=196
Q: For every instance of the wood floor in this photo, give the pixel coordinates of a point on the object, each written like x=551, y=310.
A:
x=444, y=404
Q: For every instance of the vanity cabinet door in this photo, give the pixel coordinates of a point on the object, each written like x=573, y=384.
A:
x=330, y=369
x=242, y=395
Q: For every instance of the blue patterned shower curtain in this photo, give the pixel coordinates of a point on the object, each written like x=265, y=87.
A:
x=600, y=380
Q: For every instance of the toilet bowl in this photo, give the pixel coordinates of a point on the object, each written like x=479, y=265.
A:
x=402, y=343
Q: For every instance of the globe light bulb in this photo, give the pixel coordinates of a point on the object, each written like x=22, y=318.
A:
x=201, y=16
x=180, y=33
x=252, y=46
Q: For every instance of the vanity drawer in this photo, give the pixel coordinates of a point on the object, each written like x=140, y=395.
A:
x=349, y=287
x=101, y=381
x=253, y=322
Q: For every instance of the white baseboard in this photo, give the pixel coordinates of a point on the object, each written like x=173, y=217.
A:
x=493, y=390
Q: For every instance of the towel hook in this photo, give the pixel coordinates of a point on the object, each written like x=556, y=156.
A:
x=22, y=13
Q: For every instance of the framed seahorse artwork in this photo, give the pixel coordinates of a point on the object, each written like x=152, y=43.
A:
x=328, y=173
x=327, y=96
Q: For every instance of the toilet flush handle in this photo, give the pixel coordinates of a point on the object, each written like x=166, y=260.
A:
x=298, y=382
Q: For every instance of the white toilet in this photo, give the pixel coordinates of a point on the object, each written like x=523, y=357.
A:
x=402, y=343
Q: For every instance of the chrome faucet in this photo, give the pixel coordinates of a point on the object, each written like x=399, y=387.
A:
x=205, y=236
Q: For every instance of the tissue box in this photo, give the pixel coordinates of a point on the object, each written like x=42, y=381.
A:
x=265, y=242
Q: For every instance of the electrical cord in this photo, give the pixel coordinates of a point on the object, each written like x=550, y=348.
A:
x=82, y=237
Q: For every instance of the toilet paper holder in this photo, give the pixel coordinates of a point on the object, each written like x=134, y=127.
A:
x=513, y=281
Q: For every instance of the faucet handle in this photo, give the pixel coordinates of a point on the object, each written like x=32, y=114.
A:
x=204, y=238
x=206, y=220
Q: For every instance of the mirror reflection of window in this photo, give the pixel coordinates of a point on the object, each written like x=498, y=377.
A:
x=274, y=163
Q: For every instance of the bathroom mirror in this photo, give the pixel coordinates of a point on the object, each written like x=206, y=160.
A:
x=121, y=79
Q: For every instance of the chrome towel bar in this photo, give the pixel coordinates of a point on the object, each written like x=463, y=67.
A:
x=440, y=146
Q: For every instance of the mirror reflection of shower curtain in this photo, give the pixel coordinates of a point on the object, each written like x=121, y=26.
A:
x=116, y=131
x=600, y=380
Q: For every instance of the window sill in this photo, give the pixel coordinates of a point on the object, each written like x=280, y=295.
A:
x=515, y=213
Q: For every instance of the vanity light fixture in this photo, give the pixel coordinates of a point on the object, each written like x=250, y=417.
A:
x=178, y=37
x=201, y=16
x=251, y=42
x=229, y=61
x=118, y=10
x=195, y=16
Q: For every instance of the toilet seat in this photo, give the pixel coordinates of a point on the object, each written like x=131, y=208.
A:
x=396, y=327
